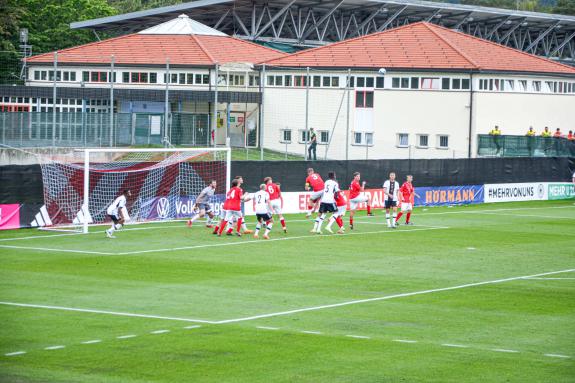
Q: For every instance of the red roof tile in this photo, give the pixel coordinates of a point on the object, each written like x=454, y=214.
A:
x=421, y=46
x=147, y=49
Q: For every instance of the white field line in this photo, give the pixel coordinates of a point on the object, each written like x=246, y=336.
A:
x=454, y=345
x=54, y=348
x=192, y=327
x=387, y=297
x=267, y=328
x=92, y=341
x=312, y=332
x=15, y=353
x=159, y=332
x=404, y=341
x=281, y=313
x=358, y=336
x=526, y=215
x=558, y=356
x=552, y=279
x=126, y=336
x=104, y=312
x=57, y=250
x=278, y=239
x=504, y=350
x=496, y=210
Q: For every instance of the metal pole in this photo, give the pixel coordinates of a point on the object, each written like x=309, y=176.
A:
x=86, y=188
x=112, y=102
x=306, y=113
x=215, y=112
x=347, y=120
x=469, y=149
x=263, y=86
x=167, y=102
x=54, y=99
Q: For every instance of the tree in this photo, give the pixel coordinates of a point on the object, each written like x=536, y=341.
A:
x=10, y=14
x=565, y=7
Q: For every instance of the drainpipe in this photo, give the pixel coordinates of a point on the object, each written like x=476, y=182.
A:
x=470, y=140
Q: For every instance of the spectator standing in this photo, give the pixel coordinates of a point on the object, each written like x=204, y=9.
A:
x=571, y=136
x=312, y=145
x=557, y=133
x=530, y=137
x=546, y=132
x=496, y=133
x=530, y=132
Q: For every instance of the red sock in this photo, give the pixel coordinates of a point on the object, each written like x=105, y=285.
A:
x=216, y=228
x=399, y=216
x=408, y=217
x=350, y=220
x=368, y=209
x=223, y=224
x=283, y=222
x=239, y=227
x=339, y=222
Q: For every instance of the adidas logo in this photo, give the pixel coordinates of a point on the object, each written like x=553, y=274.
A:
x=83, y=216
x=42, y=219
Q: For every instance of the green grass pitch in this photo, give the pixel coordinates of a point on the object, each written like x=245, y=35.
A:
x=481, y=293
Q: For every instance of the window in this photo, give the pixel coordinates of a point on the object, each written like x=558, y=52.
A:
x=36, y=75
x=326, y=81
x=153, y=78
x=182, y=78
x=335, y=81
x=363, y=99
x=126, y=77
x=286, y=136
x=510, y=85
x=300, y=81
x=402, y=140
x=323, y=136
x=72, y=76
x=357, y=138
x=190, y=78
x=99, y=76
x=456, y=84
x=429, y=83
x=445, y=83
x=465, y=83
x=253, y=80
x=422, y=141
x=317, y=81
x=361, y=82
x=369, y=138
x=379, y=82
x=405, y=83
x=395, y=82
x=271, y=81
x=352, y=81
x=442, y=142
x=85, y=76
x=66, y=76
x=522, y=85
x=303, y=136
x=415, y=83
x=482, y=84
x=369, y=82
x=279, y=80
x=287, y=80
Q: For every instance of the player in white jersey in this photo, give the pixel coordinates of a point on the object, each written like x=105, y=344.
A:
x=391, y=192
x=116, y=213
x=263, y=208
x=327, y=202
x=203, y=206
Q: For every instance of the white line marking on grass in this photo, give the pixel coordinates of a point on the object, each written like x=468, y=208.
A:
x=54, y=348
x=558, y=356
x=358, y=336
x=526, y=215
x=278, y=239
x=404, y=341
x=191, y=327
x=471, y=248
x=552, y=279
x=126, y=336
x=104, y=312
x=504, y=350
x=92, y=341
x=57, y=250
x=159, y=332
x=454, y=345
x=15, y=353
x=497, y=210
x=402, y=295
x=267, y=328
x=311, y=332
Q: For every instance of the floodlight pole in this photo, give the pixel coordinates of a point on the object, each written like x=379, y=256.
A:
x=86, y=189
x=306, y=113
x=167, y=102
x=215, y=118
x=112, y=79
x=263, y=86
x=347, y=119
x=54, y=90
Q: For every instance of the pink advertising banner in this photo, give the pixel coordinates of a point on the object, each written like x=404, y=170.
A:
x=9, y=216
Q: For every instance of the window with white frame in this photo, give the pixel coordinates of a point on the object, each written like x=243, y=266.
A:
x=316, y=82
x=422, y=141
x=445, y=83
x=430, y=83
x=368, y=138
x=303, y=136
x=363, y=138
x=536, y=86
x=402, y=140
x=285, y=136
x=456, y=83
x=395, y=82
x=522, y=85
x=323, y=136
x=363, y=99
x=465, y=83
x=442, y=141
x=509, y=85
x=357, y=138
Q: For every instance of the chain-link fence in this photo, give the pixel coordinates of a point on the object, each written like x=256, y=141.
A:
x=524, y=146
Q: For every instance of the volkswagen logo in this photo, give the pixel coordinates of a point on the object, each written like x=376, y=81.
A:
x=163, y=207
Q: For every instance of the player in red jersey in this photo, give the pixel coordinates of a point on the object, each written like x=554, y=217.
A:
x=233, y=208
x=230, y=226
x=357, y=196
x=276, y=200
x=406, y=193
x=314, y=183
x=341, y=203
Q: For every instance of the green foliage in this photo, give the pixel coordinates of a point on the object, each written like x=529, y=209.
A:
x=10, y=13
x=565, y=7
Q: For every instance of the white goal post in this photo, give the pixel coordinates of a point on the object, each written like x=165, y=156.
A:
x=164, y=183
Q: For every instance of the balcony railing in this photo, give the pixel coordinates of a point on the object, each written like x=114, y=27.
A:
x=524, y=146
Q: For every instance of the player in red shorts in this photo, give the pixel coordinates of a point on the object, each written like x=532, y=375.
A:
x=314, y=183
x=233, y=208
x=276, y=200
x=406, y=193
x=357, y=196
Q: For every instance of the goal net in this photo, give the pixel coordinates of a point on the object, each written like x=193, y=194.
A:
x=164, y=183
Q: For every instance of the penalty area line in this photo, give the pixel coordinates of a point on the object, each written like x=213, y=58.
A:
x=57, y=250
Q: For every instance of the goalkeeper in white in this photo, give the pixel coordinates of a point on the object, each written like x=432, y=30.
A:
x=116, y=213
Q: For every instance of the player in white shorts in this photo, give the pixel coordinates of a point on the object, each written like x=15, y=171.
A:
x=263, y=209
x=116, y=213
x=391, y=192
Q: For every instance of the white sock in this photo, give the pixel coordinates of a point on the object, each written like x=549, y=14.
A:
x=244, y=226
x=258, y=227
x=394, y=217
x=387, y=219
x=330, y=222
x=113, y=228
x=321, y=218
x=195, y=217
x=268, y=228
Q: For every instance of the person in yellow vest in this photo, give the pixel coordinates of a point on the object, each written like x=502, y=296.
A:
x=495, y=132
x=530, y=132
x=546, y=132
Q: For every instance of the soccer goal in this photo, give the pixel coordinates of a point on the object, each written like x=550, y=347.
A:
x=163, y=182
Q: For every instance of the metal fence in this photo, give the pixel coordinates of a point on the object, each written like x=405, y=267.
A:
x=524, y=146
